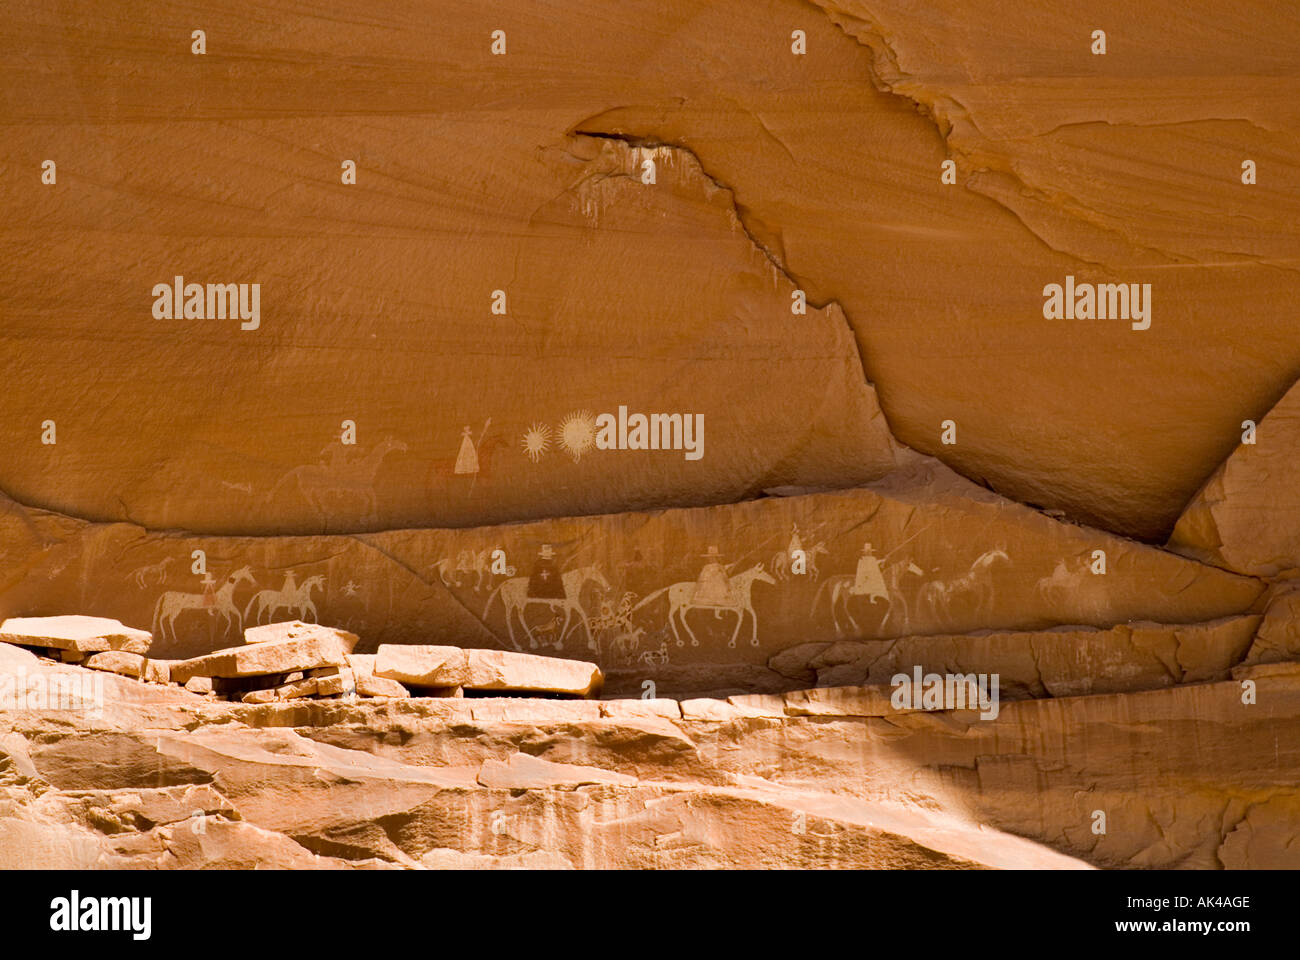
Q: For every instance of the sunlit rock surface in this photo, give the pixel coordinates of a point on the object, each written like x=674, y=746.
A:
x=731, y=213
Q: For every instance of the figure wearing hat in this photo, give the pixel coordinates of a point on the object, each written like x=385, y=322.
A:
x=545, y=582
x=795, y=542
x=869, y=581
x=209, y=585
x=467, y=459
x=713, y=588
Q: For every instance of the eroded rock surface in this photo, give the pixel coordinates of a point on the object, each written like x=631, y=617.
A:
x=1247, y=516
x=1188, y=775
x=919, y=551
x=669, y=213
x=522, y=173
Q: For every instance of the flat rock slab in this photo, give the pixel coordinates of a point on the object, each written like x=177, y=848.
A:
x=524, y=772
x=157, y=671
x=362, y=664
x=640, y=709
x=1255, y=671
x=75, y=632
x=503, y=670
x=116, y=661
x=869, y=701
x=1058, y=662
x=422, y=665
x=373, y=686
x=342, y=682
x=297, y=630
x=263, y=659
x=438, y=666
x=299, y=688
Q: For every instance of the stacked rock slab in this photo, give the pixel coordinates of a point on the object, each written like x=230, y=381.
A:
x=117, y=661
x=75, y=634
x=369, y=685
x=279, y=661
x=304, y=647
x=1015, y=790
x=441, y=667
x=297, y=630
x=293, y=660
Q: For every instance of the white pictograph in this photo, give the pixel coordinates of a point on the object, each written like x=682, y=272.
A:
x=292, y=598
x=537, y=441
x=714, y=591
x=577, y=433
x=220, y=601
x=154, y=574
x=468, y=563
x=343, y=485
x=566, y=600
x=973, y=590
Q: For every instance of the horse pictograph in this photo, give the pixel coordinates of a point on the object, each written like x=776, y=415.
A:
x=973, y=588
x=897, y=599
x=515, y=599
x=468, y=563
x=841, y=588
x=1073, y=587
x=291, y=597
x=221, y=601
x=151, y=572
x=655, y=658
x=781, y=562
x=737, y=599
x=342, y=483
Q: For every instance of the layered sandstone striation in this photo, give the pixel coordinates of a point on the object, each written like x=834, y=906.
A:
x=823, y=777
x=523, y=173
x=1247, y=515
x=950, y=556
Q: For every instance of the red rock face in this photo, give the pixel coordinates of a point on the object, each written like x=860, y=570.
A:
x=710, y=344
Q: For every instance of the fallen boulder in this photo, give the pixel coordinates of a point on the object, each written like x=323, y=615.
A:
x=381, y=687
x=157, y=671
x=200, y=685
x=340, y=682
x=116, y=661
x=504, y=670
x=315, y=649
x=362, y=666
x=498, y=670
x=75, y=633
x=297, y=630
x=422, y=665
x=298, y=688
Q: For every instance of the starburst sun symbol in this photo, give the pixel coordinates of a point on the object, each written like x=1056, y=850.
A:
x=578, y=433
x=537, y=441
